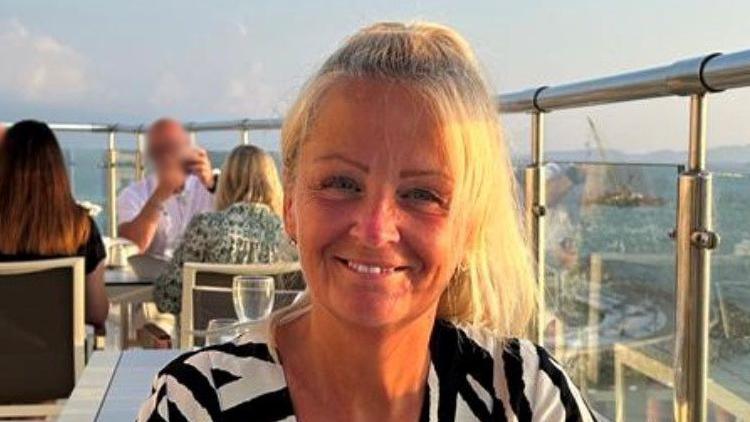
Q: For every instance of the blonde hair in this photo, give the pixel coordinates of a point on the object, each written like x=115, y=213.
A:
x=494, y=286
x=249, y=175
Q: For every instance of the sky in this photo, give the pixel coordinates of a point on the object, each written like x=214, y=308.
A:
x=132, y=61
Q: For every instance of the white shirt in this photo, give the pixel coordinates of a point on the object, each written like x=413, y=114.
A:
x=178, y=210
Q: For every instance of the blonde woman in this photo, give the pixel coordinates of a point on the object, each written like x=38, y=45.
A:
x=246, y=228
x=400, y=196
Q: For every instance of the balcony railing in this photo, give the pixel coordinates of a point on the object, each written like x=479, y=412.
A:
x=695, y=78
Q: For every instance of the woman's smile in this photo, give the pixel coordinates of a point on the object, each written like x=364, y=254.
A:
x=371, y=268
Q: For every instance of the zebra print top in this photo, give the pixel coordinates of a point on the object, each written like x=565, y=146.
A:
x=473, y=376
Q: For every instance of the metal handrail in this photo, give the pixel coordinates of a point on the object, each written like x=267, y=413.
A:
x=710, y=73
x=243, y=124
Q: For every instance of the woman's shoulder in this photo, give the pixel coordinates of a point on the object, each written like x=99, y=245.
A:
x=256, y=210
x=253, y=217
x=522, y=375
x=206, y=383
x=205, y=221
x=226, y=363
x=468, y=340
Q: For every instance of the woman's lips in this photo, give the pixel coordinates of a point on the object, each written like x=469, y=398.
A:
x=369, y=268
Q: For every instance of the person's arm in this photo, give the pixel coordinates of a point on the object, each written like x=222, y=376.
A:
x=199, y=164
x=97, y=303
x=142, y=229
x=94, y=253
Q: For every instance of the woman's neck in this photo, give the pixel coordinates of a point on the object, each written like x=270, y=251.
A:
x=369, y=373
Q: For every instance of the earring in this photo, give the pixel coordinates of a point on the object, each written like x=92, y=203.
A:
x=462, y=267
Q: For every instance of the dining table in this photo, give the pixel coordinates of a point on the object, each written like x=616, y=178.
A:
x=115, y=384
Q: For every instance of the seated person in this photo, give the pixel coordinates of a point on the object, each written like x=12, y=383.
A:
x=245, y=229
x=40, y=217
x=399, y=192
x=154, y=212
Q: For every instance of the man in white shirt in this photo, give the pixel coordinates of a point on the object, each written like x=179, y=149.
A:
x=154, y=212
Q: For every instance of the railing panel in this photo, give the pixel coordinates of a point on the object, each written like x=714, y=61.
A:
x=610, y=281
x=729, y=358
x=87, y=169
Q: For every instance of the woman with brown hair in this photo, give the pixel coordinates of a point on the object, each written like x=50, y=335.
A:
x=39, y=216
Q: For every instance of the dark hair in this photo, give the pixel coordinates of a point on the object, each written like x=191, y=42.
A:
x=39, y=214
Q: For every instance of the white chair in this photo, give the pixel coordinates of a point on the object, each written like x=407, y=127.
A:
x=42, y=323
x=206, y=293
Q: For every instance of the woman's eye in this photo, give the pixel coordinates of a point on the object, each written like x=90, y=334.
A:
x=422, y=195
x=341, y=183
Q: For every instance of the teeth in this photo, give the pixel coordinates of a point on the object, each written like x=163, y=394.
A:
x=368, y=269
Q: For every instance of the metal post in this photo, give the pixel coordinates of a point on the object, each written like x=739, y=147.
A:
x=595, y=298
x=112, y=185
x=620, y=390
x=535, y=209
x=694, y=241
x=245, y=136
x=193, y=139
x=140, y=162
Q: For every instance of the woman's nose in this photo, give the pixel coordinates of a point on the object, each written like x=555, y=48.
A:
x=376, y=222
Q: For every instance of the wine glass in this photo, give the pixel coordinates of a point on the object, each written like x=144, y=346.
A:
x=221, y=330
x=253, y=297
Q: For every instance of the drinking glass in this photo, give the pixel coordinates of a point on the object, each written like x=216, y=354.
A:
x=221, y=330
x=253, y=297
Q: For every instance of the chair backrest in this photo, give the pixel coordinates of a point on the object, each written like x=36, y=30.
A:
x=207, y=291
x=43, y=332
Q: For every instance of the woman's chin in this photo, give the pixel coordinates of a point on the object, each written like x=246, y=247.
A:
x=370, y=310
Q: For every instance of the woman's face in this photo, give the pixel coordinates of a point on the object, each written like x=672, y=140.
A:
x=371, y=206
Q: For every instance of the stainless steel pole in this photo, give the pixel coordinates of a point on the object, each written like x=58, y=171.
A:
x=535, y=203
x=694, y=242
x=112, y=185
x=140, y=162
x=245, y=136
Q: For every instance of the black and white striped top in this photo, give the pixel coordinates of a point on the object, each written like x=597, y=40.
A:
x=473, y=376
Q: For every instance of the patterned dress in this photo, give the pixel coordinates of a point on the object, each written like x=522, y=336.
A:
x=241, y=234
x=473, y=376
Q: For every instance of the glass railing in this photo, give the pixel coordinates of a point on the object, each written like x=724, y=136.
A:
x=610, y=282
x=610, y=278
x=87, y=169
x=729, y=335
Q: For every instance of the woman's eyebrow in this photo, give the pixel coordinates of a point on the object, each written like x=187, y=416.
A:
x=405, y=174
x=338, y=157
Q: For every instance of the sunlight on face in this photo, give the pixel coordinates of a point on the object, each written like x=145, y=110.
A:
x=371, y=206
